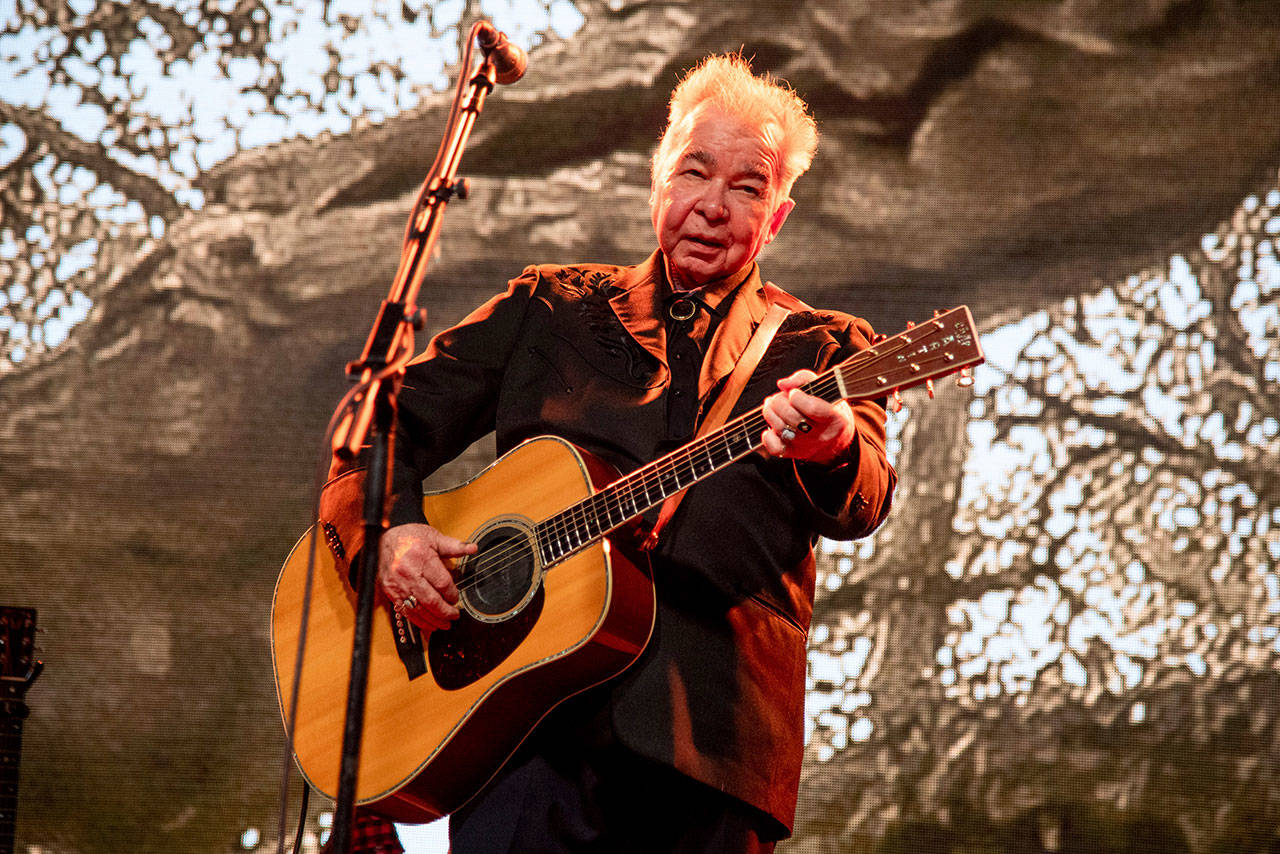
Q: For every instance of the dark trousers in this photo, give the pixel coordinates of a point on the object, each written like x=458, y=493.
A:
x=603, y=800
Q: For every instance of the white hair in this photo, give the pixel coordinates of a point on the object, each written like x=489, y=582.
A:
x=727, y=83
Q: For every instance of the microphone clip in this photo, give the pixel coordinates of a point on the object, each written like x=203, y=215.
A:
x=509, y=61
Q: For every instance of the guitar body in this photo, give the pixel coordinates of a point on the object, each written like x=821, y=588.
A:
x=445, y=712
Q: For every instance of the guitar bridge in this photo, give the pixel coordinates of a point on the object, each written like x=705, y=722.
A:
x=409, y=645
x=334, y=540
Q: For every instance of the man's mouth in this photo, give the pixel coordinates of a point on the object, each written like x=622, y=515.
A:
x=705, y=241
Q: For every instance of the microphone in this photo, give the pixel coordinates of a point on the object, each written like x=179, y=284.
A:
x=509, y=60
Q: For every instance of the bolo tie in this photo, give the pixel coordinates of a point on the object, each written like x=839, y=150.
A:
x=682, y=309
x=684, y=358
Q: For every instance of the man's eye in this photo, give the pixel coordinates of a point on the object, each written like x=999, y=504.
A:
x=751, y=189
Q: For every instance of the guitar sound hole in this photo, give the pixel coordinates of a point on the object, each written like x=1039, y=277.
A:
x=502, y=575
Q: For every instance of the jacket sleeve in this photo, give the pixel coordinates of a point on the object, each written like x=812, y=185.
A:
x=450, y=393
x=850, y=497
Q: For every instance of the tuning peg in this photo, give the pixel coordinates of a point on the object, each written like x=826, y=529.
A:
x=928, y=384
x=964, y=379
x=896, y=402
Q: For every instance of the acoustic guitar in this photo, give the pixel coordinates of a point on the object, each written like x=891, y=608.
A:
x=550, y=605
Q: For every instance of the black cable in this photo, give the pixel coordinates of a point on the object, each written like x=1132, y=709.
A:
x=302, y=820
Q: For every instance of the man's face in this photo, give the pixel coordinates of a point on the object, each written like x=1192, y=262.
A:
x=715, y=201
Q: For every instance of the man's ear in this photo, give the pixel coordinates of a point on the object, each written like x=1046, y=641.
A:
x=779, y=217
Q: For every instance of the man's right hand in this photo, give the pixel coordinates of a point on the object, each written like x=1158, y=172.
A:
x=417, y=560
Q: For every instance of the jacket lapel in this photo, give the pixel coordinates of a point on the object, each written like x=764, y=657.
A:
x=745, y=312
x=639, y=307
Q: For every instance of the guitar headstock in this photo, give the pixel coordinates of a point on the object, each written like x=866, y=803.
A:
x=944, y=345
x=18, y=664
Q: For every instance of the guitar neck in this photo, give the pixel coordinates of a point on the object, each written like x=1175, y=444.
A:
x=12, y=714
x=589, y=520
x=944, y=345
x=18, y=669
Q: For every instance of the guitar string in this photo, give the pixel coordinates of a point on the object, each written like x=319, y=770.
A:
x=560, y=528
x=588, y=513
x=581, y=517
x=660, y=471
x=634, y=489
x=585, y=515
x=595, y=516
x=825, y=385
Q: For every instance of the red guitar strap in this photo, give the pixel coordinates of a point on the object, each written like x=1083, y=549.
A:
x=720, y=410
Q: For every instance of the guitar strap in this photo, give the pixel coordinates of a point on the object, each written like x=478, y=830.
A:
x=720, y=410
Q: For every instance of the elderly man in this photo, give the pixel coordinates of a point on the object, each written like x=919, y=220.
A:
x=696, y=746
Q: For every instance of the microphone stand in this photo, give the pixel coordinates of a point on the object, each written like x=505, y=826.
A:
x=381, y=369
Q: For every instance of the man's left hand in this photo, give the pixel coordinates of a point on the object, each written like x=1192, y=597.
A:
x=804, y=427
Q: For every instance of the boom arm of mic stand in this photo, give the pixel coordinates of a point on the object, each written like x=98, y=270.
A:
x=391, y=332
x=373, y=414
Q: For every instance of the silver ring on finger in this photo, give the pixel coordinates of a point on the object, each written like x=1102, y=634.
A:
x=786, y=434
x=408, y=603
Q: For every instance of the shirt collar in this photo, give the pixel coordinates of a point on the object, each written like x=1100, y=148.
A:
x=711, y=294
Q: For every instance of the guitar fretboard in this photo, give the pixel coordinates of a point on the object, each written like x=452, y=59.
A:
x=941, y=346
x=612, y=507
x=12, y=713
x=18, y=669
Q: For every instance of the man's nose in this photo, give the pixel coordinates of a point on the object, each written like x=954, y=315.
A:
x=711, y=203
